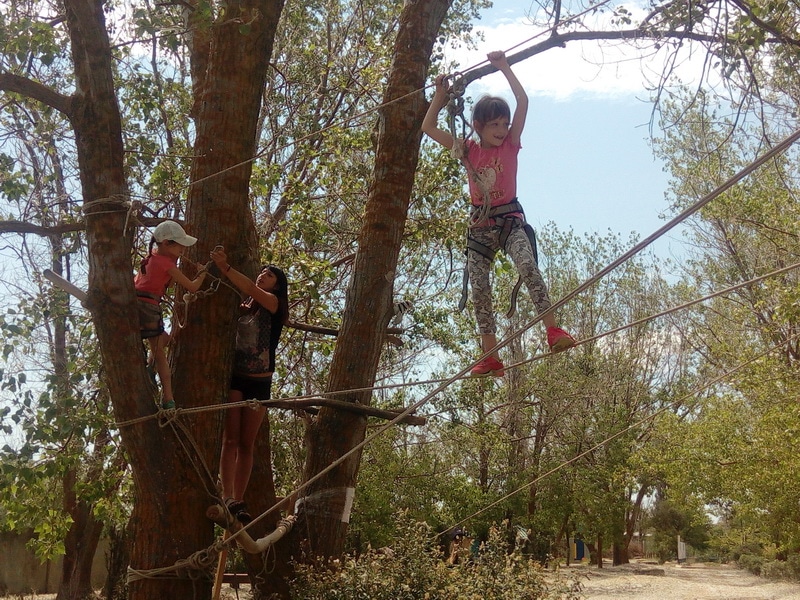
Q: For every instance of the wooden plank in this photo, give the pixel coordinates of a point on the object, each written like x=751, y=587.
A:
x=65, y=285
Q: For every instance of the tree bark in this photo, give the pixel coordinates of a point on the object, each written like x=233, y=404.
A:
x=324, y=509
x=226, y=111
x=80, y=545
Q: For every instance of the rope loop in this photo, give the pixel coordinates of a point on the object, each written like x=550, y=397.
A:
x=167, y=415
x=254, y=404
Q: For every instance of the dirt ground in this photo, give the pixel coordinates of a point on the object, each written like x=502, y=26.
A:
x=643, y=581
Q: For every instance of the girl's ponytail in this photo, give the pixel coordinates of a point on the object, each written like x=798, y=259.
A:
x=147, y=258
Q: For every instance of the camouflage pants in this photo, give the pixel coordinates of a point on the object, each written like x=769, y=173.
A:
x=518, y=247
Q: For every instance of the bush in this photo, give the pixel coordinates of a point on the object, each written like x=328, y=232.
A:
x=776, y=569
x=752, y=563
x=747, y=549
x=793, y=563
x=414, y=569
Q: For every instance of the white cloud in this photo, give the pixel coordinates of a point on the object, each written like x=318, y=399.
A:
x=589, y=69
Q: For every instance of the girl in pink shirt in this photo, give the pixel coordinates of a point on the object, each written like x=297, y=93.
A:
x=497, y=221
x=159, y=270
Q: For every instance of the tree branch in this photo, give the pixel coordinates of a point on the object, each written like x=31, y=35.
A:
x=361, y=409
x=32, y=89
x=329, y=330
x=13, y=226
x=561, y=40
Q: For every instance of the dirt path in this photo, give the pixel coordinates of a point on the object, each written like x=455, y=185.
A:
x=642, y=581
x=679, y=582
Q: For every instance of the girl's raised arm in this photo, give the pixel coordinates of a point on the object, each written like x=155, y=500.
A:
x=430, y=125
x=498, y=60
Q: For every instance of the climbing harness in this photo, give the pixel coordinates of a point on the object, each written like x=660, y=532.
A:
x=484, y=212
x=505, y=223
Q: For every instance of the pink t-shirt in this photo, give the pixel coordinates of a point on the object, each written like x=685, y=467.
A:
x=492, y=170
x=156, y=279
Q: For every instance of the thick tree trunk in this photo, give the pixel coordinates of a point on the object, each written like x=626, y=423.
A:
x=324, y=509
x=158, y=467
x=226, y=112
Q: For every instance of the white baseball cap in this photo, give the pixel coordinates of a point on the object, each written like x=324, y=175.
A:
x=170, y=230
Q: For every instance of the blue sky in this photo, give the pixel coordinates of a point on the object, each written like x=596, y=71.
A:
x=586, y=163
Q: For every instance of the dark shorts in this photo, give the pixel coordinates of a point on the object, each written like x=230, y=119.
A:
x=151, y=319
x=252, y=389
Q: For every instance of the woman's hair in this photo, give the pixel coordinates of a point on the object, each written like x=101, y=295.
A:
x=488, y=108
x=281, y=291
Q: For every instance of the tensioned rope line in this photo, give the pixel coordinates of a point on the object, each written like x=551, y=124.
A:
x=642, y=421
x=673, y=309
x=202, y=557
x=769, y=155
x=774, y=151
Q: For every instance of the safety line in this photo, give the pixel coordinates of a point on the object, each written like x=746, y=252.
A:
x=774, y=151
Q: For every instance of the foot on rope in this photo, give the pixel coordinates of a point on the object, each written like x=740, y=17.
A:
x=558, y=339
x=488, y=366
x=168, y=404
x=238, y=509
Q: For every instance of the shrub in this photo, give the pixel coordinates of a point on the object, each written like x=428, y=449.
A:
x=414, y=569
x=793, y=562
x=752, y=563
x=776, y=569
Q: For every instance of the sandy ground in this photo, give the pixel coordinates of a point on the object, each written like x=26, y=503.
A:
x=640, y=581
x=679, y=582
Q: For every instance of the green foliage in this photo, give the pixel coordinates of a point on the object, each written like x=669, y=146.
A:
x=751, y=563
x=668, y=520
x=414, y=569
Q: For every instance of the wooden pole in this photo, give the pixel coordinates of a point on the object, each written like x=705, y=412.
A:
x=222, y=564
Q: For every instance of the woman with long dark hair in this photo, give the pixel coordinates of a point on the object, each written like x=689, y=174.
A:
x=263, y=314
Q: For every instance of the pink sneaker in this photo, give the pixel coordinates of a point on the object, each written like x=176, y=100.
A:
x=488, y=366
x=558, y=339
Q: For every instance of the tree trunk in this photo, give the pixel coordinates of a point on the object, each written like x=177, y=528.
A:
x=226, y=110
x=619, y=552
x=117, y=560
x=599, y=551
x=80, y=545
x=324, y=509
x=83, y=536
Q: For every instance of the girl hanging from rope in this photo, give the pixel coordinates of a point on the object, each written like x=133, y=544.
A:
x=264, y=313
x=158, y=271
x=497, y=221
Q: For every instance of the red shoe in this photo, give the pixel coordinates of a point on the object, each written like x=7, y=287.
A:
x=558, y=339
x=488, y=366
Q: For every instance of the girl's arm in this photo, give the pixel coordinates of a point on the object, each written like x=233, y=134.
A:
x=191, y=285
x=430, y=125
x=245, y=285
x=498, y=60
